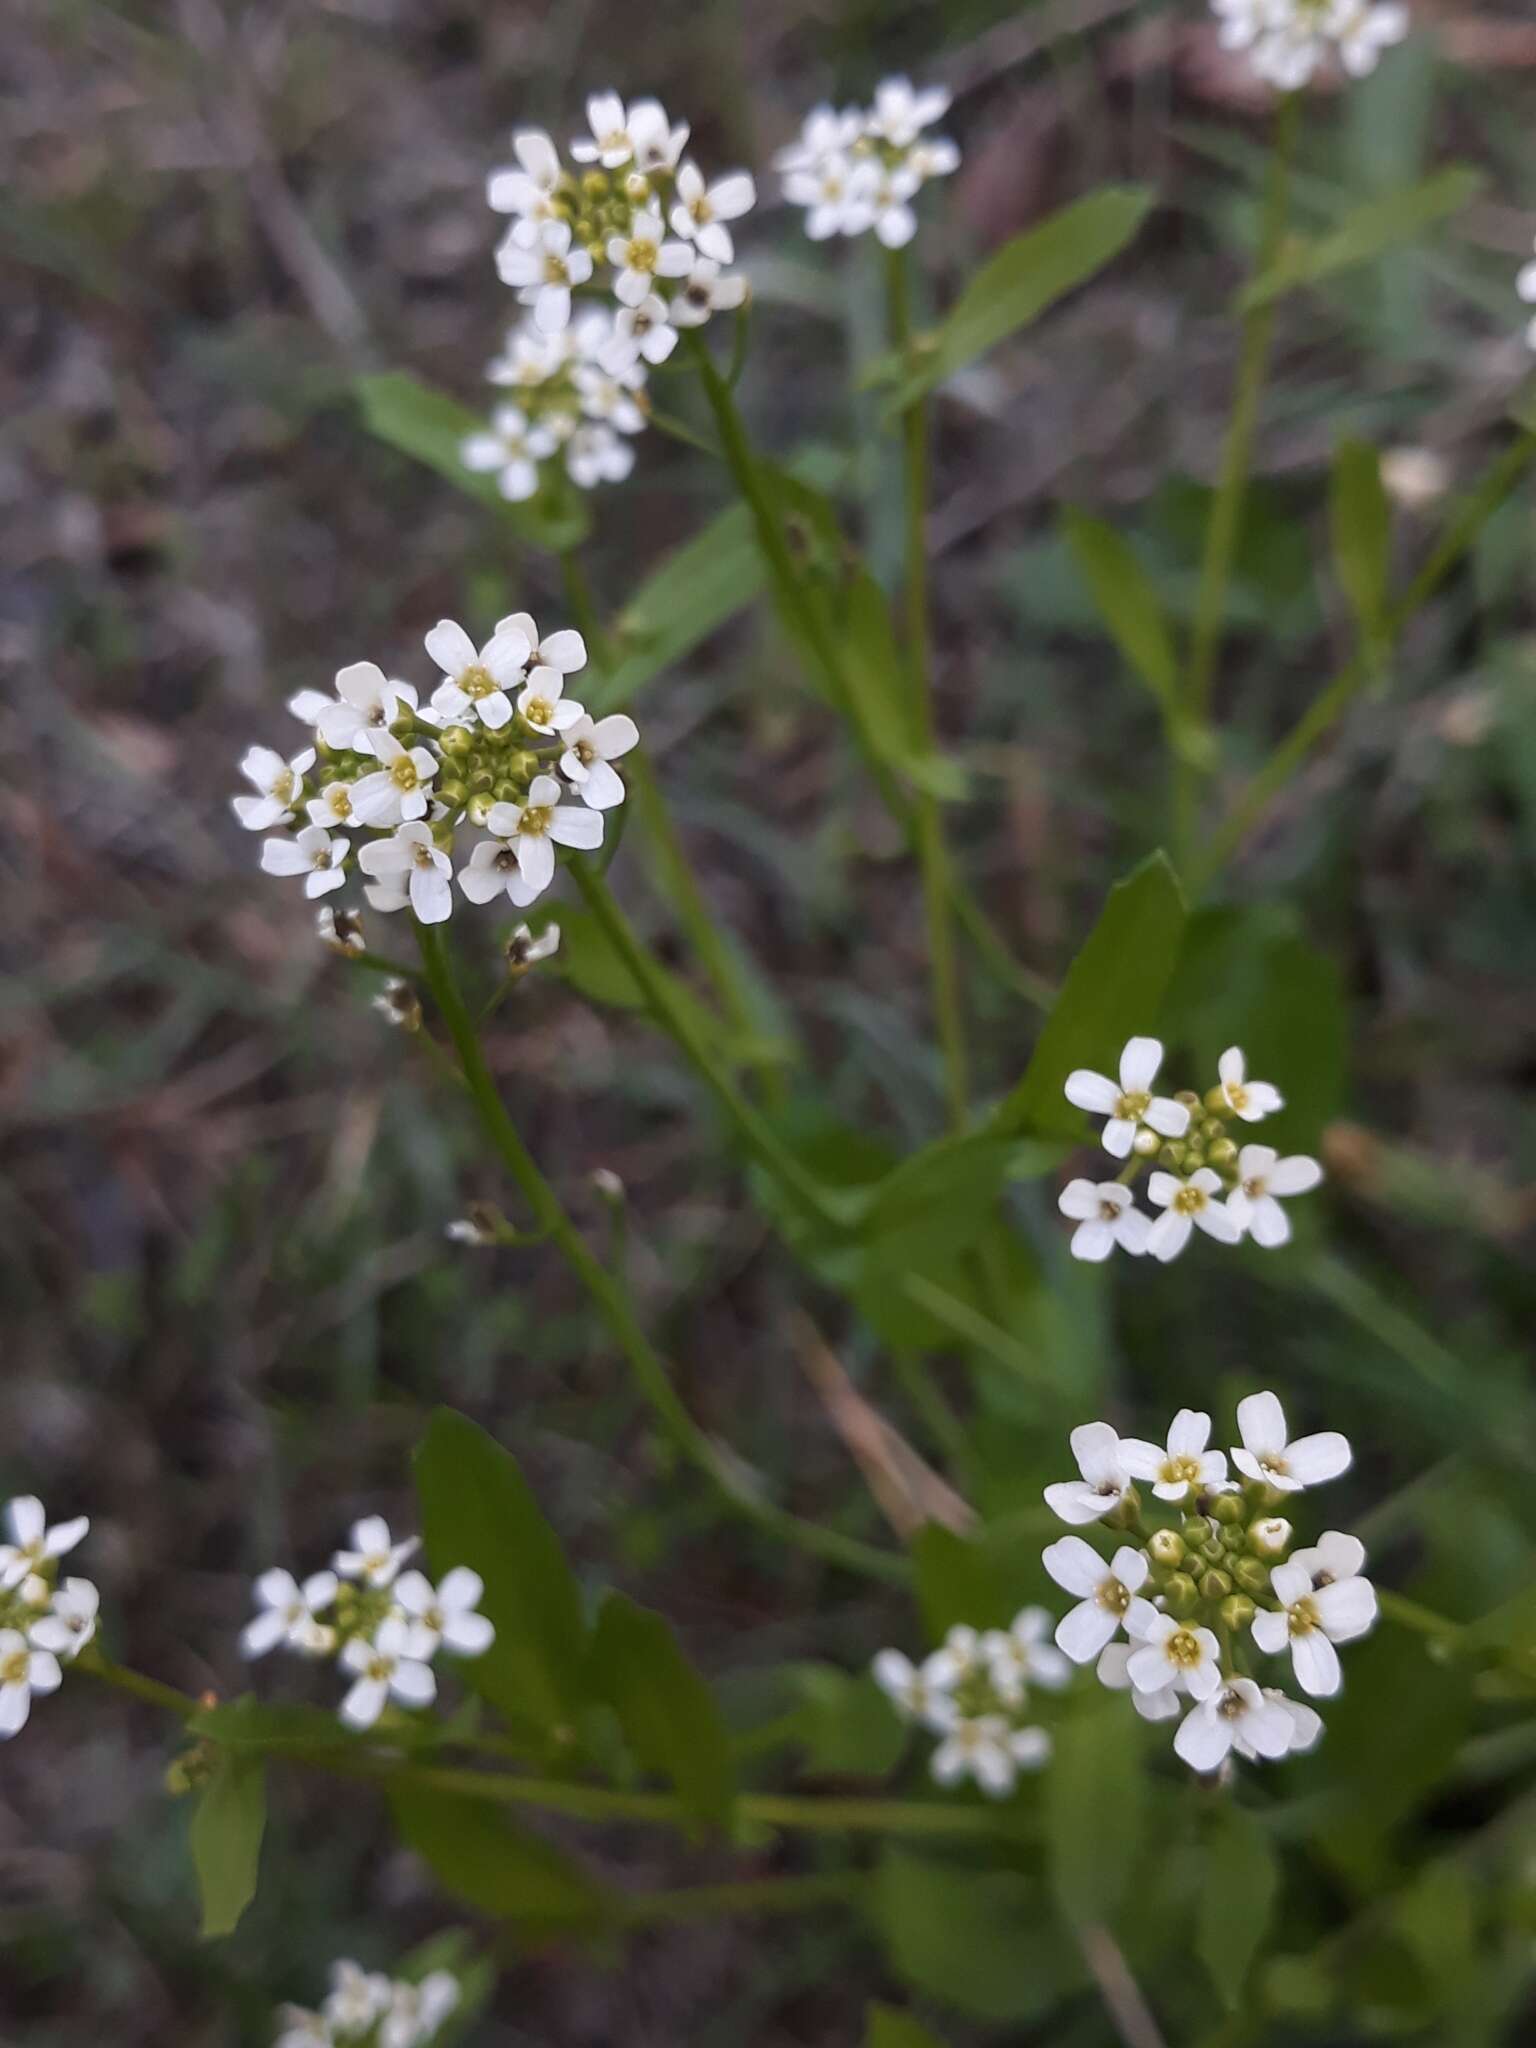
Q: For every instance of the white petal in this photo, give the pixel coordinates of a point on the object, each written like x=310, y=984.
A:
x=1203, y=1739
x=1271, y=1632
x=413, y=1684
x=1295, y=1176
x=1075, y=1565
x=1317, y=1664
x=1093, y=1241
x=1189, y=1432
x=1168, y=1235
x=1313, y=1459
x=1347, y=1608
x=1079, y=1199
x=1090, y=1091
x=364, y=1703
x=1261, y=1422
x=263, y=1634
x=573, y=826
x=1215, y=1222
x=431, y=896
x=468, y=1635
x=1084, y=1630
x=1118, y=1136
x=1139, y=1064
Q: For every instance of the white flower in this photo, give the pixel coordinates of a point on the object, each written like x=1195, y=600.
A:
x=340, y=929
x=1268, y=1455
x=1020, y=1656
x=595, y=455
x=589, y=748
x=1184, y=1204
x=398, y=1002
x=1105, y=1479
x=393, y=1665
x=1334, y=1556
x=1236, y=1711
x=278, y=783
x=23, y=1671
x=512, y=447
x=417, y=2010
x=1263, y=1176
x=1104, y=1591
x=1290, y=39
x=289, y=1613
x=543, y=704
x=826, y=131
x=332, y=808
x=1171, y=1652
x=400, y=788
x=838, y=195
x=1113, y=1671
x=989, y=1749
x=374, y=1556
x=523, y=950
x=890, y=195
x=447, y=1616
x=701, y=211
x=412, y=852
x=1184, y=1465
x=706, y=290
x=641, y=132
x=540, y=824
x=494, y=870
x=644, y=254
x=1106, y=1216
x=645, y=330
x=609, y=396
x=1306, y=1725
x=34, y=1542
x=1312, y=1618
x=528, y=191
x=366, y=701
x=302, y=2028
x=358, y=1997
x=932, y=157
x=564, y=651
x=477, y=682
x=70, y=1622
x=900, y=113
x=1129, y=1103
x=919, y=1692
x=312, y=853
x=544, y=273
x=1251, y=1100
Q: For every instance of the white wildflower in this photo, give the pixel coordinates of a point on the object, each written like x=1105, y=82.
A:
x=919, y=1692
x=446, y=1616
x=23, y=1672
x=1104, y=1593
x=413, y=857
x=1129, y=1103
x=642, y=254
x=314, y=853
x=366, y=701
x=493, y=870
x=989, y=1749
x=589, y=749
x=1105, y=1479
x=707, y=289
x=1263, y=1178
x=529, y=191
x=277, y=783
x=900, y=113
x=511, y=448
x=1268, y=1455
x=542, y=823
x=374, y=1557
x=595, y=455
x=393, y=1666
x=290, y=1613
x=1113, y=1670
x=1186, y=1204
x=1171, y=1652
x=477, y=682
x=1185, y=1465
x=1311, y=1619
x=34, y=1542
x=700, y=211
x=1236, y=1711
x=643, y=331
x=70, y=1621
x=544, y=273
x=1250, y=1100
x=1106, y=1215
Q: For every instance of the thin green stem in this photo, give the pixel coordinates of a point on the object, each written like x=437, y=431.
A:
x=809, y=1197
x=928, y=819
x=612, y=1300
x=94, y=1662
x=1237, y=455
x=1466, y=524
x=1410, y=1614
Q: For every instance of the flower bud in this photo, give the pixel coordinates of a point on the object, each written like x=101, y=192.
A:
x=453, y=794
x=1145, y=1143
x=1269, y=1537
x=456, y=739
x=1251, y=1575
x=523, y=763
x=1171, y=1156
x=1216, y=1101
x=1222, y=1154
x=1166, y=1547
x=1237, y=1610
x=607, y=1185
x=506, y=791
x=1234, y=1536
x=1212, y=1129
x=1215, y=1586
x=1188, y=1099
x=1197, y=1529
x=1227, y=1507
x=1179, y=1594
x=1213, y=1550
x=478, y=809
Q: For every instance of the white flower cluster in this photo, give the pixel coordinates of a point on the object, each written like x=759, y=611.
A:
x=1205, y=1181
x=858, y=168
x=1195, y=1591
x=1288, y=40
x=409, y=775
x=1525, y=285
x=42, y=1619
x=973, y=1693
x=576, y=398
x=383, y=1626
x=366, y=2009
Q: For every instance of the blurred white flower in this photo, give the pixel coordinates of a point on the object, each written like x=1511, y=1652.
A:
x=1104, y=1592
x=512, y=448
x=417, y=2011
x=289, y=1613
x=446, y=1616
x=1186, y=1204
x=374, y=1557
x=1128, y=1103
x=700, y=211
x=528, y=191
x=643, y=331
x=523, y=950
x=707, y=289
x=1263, y=1177
x=393, y=1666
x=357, y=1998
x=23, y=1672
x=1106, y=1216
x=1022, y=1655
x=900, y=113
x=1268, y=1455
x=340, y=929
x=990, y=1750
x=919, y=1692
x=838, y=196
x=314, y=853
x=277, y=783
x=642, y=254
x=34, y=1542
x=70, y=1621
x=1105, y=1479
x=544, y=273
x=1289, y=40
x=1185, y=1465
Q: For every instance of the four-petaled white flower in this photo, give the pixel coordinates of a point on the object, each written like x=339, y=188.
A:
x=564, y=651
x=34, y=1542
x=838, y=196
x=313, y=853
x=366, y=700
x=644, y=331
x=1306, y=1724
x=277, y=782
x=891, y=192
x=289, y=1613
x=357, y=1997
x=1288, y=40
x=493, y=870
x=23, y=1671
x=595, y=455
x=919, y=1692
x=412, y=860
x=70, y=1622
x=1106, y=1216
x=542, y=703
x=1268, y=1455
x=529, y=190
x=589, y=748
x=1171, y=1652
x=1262, y=1178
x=400, y=788
x=374, y=1556
x=543, y=822
x=1185, y=1204
x=332, y=808
x=416, y=2011
x=1236, y=1711
x=1021, y=1655
x=477, y=682
x=1104, y=1591
x=1129, y=1103
x=1250, y=1100
x=1311, y=1619
x=642, y=254
x=1105, y=1479
x=619, y=134
x=446, y=1616
x=545, y=272
x=701, y=211
x=1113, y=1670
x=393, y=1665
x=1185, y=1465
x=989, y=1749
x=608, y=396
x=901, y=113
x=705, y=290
x=512, y=448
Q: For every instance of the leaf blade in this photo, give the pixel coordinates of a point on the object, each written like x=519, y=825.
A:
x=225, y=1840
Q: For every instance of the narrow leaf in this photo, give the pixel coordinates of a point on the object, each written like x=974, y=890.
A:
x=1127, y=602
x=1093, y=1803
x=1365, y=234
x=1362, y=533
x=668, y=1713
x=225, y=1839
x=689, y=596
x=1237, y=1899
x=504, y=1870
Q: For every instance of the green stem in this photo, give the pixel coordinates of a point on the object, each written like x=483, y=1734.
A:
x=1410, y=1614
x=928, y=820
x=758, y=1137
x=611, y=1299
x=1237, y=455
x=1467, y=523
x=96, y=1664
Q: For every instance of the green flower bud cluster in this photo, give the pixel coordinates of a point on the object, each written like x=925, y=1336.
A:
x=1207, y=1142
x=1212, y=1566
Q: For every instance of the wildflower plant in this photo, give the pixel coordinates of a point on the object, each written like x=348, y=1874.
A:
x=1195, y=1584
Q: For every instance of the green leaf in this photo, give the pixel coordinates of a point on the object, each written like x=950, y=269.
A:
x=691, y=595
x=1094, y=1791
x=588, y=961
x=984, y=1942
x=846, y=1724
x=480, y=1856
x=668, y=1713
x=1024, y=278
x=1365, y=234
x=887, y=2027
x=957, y=1581
x=1362, y=534
x=428, y=425
x=1127, y=601
x=1112, y=992
x=1237, y=1899
x=226, y=1840
x=477, y=1509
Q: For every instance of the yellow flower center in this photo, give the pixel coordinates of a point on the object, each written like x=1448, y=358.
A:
x=1237, y=1094
x=341, y=803
x=478, y=682
x=1112, y=1596
x=535, y=820
x=403, y=774
x=282, y=785
x=1133, y=1106
x=555, y=271
x=13, y=1669
x=1231, y=1706
x=538, y=711
x=1183, y=1649
x=1184, y=1468
x=1189, y=1201
x=1303, y=1618
x=641, y=253
x=424, y=856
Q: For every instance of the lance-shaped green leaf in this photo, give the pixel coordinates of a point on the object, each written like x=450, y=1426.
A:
x=1026, y=277
x=668, y=1714
x=1365, y=234
x=689, y=596
x=478, y=1510
x=1127, y=601
x=1111, y=993
x=503, y=1870
x=1361, y=520
x=1237, y=1899
x=225, y=1839
x=1093, y=1805
x=983, y=1941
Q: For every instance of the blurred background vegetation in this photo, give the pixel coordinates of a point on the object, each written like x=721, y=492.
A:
x=227, y=1297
